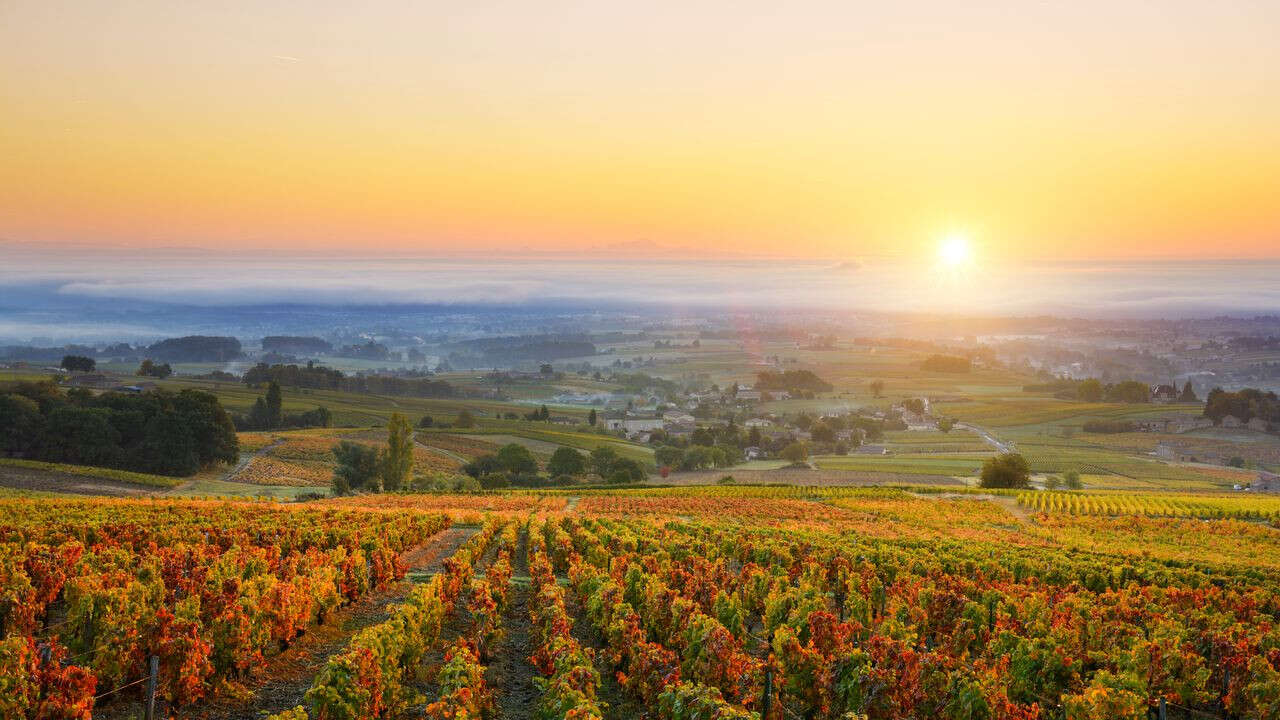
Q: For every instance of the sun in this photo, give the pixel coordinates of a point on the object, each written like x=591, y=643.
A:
x=955, y=250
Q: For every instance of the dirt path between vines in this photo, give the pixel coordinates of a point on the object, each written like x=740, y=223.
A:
x=510, y=673
x=282, y=682
x=620, y=705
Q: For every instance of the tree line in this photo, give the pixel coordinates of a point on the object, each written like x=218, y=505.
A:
x=1244, y=405
x=159, y=432
x=268, y=413
x=322, y=378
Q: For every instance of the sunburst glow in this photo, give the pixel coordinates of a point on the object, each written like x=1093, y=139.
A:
x=955, y=250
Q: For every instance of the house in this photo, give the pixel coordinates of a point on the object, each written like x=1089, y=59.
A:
x=672, y=417
x=634, y=425
x=1172, y=425
x=752, y=453
x=756, y=423
x=748, y=395
x=872, y=450
x=89, y=380
x=1231, y=421
x=1266, y=482
x=1257, y=424
x=1163, y=393
x=564, y=420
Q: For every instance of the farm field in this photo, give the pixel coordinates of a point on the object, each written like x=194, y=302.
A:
x=739, y=602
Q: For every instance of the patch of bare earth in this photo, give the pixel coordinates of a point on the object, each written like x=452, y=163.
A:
x=20, y=478
x=510, y=673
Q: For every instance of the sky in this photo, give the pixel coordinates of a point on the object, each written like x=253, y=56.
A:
x=869, y=132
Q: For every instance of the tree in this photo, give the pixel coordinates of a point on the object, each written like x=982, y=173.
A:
x=21, y=424
x=821, y=432
x=1129, y=391
x=591, y=417
x=1053, y=482
x=566, y=461
x=82, y=435
x=259, y=418
x=275, y=405
x=357, y=468
x=1090, y=390
x=627, y=470
x=151, y=369
x=1071, y=479
x=945, y=424
x=753, y=437
x=397, y=461
x=796, y=453
x=516, y=459
x=464, y=420
x=78, y=363
x=602, y=459
x=425, y=422
x=1188, y=394
x=877, y=387
x=668, y=456
x=1007, y=470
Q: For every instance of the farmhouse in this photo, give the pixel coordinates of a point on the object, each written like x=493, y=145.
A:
x=1257, y=424
x=1163, y=393
x=756, y=423
x=748, y=395
x=677, y=418
x=1173, y=425
x=872, y=450
x=1266, y=482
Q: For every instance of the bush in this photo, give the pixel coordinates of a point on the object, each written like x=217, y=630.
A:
x=1007, y=470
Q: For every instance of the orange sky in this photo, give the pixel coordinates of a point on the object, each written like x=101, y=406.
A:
x=812, y=129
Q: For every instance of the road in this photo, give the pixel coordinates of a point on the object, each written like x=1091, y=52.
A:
x=992, y=440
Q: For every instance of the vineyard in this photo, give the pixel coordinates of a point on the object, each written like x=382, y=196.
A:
x=1154, y=505
x=765, y=603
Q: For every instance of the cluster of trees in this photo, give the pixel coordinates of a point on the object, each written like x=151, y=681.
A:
x=365, y=468
x=368, y=351
x=946, y=364
x=196, y=348
x=323, y=378
x=1125, y=391
x=148, y=368
x=1006, y=470
x=1094, y=390
x=295, y=345
x=157, y=432
x=514, y=465
x=78, y=363
x=268, y=414
x=793, y=381
x=1245, y=405
x=542, y=414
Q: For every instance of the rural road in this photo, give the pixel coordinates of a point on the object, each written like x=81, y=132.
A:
x=992, y=440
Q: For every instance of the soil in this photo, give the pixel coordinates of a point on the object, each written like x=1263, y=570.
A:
x=619, y=705
x=510, y=673
x=20, y=478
